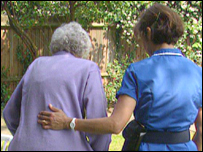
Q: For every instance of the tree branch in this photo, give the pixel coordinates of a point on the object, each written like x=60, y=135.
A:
x=21, y=33
x=72, y=10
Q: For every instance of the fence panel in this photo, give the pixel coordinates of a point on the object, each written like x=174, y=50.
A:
x=41, y=37
x=102, y=52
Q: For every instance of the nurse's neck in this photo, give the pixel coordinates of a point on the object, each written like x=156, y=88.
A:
x=151, y=47
x=155, y=47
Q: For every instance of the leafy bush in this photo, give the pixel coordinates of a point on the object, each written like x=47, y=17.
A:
x=116, y=71
x=124, y=15
x=5, y=91
x=25, y=57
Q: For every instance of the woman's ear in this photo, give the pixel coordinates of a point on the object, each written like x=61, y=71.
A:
x=149, y=33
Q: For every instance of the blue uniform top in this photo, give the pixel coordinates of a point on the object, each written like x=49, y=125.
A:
x=168, y=90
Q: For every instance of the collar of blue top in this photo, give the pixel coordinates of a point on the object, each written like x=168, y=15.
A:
x=168, y=52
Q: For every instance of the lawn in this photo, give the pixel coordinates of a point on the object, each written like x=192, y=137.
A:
x=118, y=140
x=116, y=143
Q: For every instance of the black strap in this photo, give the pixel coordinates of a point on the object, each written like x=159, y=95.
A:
x=166, y=137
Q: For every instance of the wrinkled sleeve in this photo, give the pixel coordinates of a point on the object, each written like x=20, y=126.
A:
x=11, y=112
x=96, y=106
x=129, y=84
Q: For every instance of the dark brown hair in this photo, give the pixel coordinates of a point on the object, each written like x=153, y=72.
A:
x=166, y=25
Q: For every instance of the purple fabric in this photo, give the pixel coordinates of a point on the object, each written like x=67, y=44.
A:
x=68, y=83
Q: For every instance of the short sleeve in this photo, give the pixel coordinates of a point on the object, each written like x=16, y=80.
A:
x=129, y=84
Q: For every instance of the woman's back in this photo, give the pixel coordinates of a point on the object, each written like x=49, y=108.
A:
x=59, y=80
x=169, y=91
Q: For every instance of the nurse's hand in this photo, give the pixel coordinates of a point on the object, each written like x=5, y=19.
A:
x=56, y=120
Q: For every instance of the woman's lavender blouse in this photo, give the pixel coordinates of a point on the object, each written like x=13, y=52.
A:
x=68, y=83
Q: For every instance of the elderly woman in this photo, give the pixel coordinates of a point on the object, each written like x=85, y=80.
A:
x=163, y=91
x=67, y=82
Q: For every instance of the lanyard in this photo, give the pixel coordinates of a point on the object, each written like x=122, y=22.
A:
x=168, y=53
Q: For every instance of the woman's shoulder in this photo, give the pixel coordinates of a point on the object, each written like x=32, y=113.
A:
x=87, y=64
x=192, y=65
x=141, y=64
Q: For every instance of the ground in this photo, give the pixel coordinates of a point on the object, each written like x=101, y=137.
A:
x=4, y=129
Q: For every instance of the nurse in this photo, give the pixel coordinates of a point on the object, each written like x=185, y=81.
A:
x=163, y=91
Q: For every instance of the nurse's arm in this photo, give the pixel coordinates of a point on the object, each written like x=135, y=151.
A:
x=108, y=125
x=113, y=124
x=198, y=136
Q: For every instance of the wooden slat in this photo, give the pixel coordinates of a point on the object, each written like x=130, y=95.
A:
x=102, y=53
x=11, y=79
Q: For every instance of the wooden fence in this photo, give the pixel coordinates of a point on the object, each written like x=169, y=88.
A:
x=102, y=52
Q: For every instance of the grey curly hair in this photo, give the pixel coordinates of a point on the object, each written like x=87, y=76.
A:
x=72, y=38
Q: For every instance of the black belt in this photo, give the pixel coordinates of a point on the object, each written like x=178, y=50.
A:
x=166, y=137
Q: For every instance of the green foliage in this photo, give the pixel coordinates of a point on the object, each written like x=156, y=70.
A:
x=121, y=14
x=5, y=91
x=191, y=42
x=25, y=57
x=124, y=14
x=116, y=71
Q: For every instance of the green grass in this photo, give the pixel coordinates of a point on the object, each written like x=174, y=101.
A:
x=116, y=143
x=2, y=145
